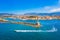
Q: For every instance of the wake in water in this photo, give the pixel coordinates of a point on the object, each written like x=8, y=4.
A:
x=52, y=30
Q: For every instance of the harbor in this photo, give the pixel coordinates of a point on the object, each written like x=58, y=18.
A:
x=37, y=24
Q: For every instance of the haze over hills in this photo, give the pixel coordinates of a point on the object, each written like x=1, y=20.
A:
x=2, y=14
x=44, y=14
x=39, y=14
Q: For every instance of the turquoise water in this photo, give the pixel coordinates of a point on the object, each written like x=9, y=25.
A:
x=7, y=30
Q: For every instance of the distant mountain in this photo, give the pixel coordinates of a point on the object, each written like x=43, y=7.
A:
x=44, y=14
x=39, y=14
x=2, y=14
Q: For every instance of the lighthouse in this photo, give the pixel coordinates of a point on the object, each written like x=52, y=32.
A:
x=37, y=23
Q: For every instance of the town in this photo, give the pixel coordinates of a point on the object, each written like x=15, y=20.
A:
x=26, y=17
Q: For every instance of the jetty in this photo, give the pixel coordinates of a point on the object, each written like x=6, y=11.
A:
x=26, y=23
x=37, y=24
x=3, y=20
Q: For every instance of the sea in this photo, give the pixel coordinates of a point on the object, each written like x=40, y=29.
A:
x=49, y=30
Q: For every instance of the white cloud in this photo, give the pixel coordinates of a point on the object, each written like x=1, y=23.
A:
x=55, y=10
x=45, y=9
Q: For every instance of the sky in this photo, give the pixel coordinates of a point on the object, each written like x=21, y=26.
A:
x=29, y=6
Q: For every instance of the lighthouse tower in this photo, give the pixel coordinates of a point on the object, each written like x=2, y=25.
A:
x=37, y=23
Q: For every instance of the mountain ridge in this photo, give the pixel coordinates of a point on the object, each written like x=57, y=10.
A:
x=44, y=14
